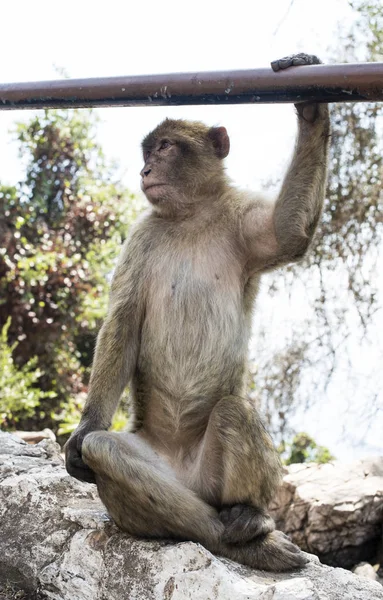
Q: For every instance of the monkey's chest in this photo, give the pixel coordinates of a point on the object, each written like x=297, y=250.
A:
x=194, y=291
x=195, y=329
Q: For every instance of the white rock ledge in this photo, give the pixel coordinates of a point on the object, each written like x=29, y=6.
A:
x=56, y=542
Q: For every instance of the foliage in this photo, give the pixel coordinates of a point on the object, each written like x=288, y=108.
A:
x=60, y=230
x=304, y=448
x=18, y=392
x=70, y=415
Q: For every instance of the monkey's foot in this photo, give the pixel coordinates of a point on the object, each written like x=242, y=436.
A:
x=244, y=523
x=273, y=552
x=294, y=60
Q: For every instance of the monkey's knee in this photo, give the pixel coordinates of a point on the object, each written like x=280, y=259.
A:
x=97, y=449
x=235, y=416
x=240, y=429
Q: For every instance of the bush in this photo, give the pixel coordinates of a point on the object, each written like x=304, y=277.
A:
x=19, y=395
x=60, y=233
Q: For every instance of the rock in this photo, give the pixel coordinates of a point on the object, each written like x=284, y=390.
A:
x=57, y=543
x=333, y=510
x=364, y=569
x=34, y=437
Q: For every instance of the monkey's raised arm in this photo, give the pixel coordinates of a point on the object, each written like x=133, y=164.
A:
x=279, y=233
x=299, y=205
x=113, y=366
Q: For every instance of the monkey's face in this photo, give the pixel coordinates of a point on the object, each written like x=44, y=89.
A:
x=158, y=176
x=182, y=159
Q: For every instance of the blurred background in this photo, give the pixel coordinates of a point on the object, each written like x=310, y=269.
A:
x=69, y=190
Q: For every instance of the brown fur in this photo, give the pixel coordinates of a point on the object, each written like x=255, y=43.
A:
x=198, y=463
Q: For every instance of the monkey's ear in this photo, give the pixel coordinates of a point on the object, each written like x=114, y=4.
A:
x=221, y=141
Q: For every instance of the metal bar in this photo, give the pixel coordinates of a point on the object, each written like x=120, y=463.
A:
x=323, y=83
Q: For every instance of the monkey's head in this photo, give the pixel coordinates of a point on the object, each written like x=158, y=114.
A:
x=183, y=163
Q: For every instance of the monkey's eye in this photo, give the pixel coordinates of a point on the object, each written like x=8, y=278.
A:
x=165, y=144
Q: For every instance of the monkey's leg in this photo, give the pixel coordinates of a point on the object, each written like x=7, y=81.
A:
x=240, y=472
x=239, y=467
x=145, y=498
x=143, y=494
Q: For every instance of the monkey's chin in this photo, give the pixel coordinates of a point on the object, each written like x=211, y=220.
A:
x=156, y=193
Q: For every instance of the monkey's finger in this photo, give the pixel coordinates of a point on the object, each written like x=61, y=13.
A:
x=299, y=60
x=243, y=531
x=230, y=513
x=239, y=532
x=244, y=523
x=281, y=63
x=82, y=474
x=295, y=60
x=76, y=461
x=306, y=59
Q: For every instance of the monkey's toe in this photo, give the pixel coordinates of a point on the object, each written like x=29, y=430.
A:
x=287, y=555
x=271, y=552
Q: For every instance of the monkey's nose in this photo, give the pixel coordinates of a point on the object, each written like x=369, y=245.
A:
x=145, y=172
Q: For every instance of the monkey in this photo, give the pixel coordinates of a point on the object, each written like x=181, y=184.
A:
x=197, y=462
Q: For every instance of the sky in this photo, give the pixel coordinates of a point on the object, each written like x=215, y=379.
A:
x=92, y=39
x=85, y=38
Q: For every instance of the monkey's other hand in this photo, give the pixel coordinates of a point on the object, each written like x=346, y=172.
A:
x=243, y=523
x=294, y=60
x=73, y=456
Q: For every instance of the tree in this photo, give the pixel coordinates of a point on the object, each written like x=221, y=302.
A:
x=60, y=230
x=304, y=449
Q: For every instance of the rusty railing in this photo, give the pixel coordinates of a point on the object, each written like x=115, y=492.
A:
x=324, y=83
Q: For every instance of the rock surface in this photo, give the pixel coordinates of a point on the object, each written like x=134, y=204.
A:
x=57, y=543
x=364, y=569
x=333, y=510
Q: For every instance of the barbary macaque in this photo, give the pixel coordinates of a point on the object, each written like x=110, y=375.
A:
x=198, y=463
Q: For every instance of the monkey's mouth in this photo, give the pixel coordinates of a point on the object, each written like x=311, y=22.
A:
x=153, y=185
